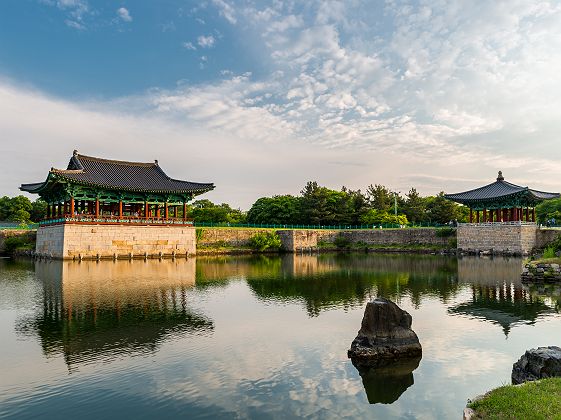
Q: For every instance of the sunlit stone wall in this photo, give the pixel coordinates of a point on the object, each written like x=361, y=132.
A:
x=497, y=238
x=389, y=237
x=104, y=241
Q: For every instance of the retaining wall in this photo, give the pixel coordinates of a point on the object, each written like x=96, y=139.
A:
x=67, y=241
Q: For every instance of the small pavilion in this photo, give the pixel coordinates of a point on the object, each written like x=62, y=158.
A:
x=501, y=202
x=100, y=190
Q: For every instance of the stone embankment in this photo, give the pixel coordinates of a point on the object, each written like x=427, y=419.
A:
x=27, y=235
x=209, y=239
x=541, y=272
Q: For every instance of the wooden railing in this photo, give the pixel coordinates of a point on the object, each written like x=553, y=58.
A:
x=117, y=220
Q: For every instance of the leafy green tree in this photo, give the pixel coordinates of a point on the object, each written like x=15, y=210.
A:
x=415, y=206
x=442, y=210
x=38, y=210
x=15, y=209
x=280, y=209
x=549, y=209
x=378, y=217
x=379, y=197
x=206, y=211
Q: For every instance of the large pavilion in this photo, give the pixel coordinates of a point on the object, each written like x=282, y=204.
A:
x=99, y=190
x=501, y=201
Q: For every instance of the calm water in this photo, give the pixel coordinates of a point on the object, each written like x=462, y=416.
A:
x=258, y=337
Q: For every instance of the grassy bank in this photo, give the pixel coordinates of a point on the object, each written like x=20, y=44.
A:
x=532, y=400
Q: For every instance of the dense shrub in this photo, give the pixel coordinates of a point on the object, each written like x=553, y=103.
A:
x=341, y=241
x=265, y=240
x=14, y=243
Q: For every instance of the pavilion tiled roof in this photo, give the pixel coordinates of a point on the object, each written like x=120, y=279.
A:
x=497, y=190
x=120, y=175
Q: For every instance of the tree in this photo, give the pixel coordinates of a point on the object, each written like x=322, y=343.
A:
x=549, y=209
x=206, y=211
x=379, y=197
x=415, y=207
x=442, y=210
x=15, y=209
x=38, y=210
x=280, y=209
x=377, y=217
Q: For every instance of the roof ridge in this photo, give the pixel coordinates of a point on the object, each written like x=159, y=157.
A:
x=67, y=171
x=79, y=156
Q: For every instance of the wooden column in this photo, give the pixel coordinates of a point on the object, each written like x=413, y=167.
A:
x=120, y=209
x=484, y=215
x=166, y=210
x=527, y=214
x=97, y=207
x=477, y=216
x=71, y=205
x=471, y=215
x=146, y=210
x=48, y=211
x=184, y=211
x=158, y=211
x=533, y=214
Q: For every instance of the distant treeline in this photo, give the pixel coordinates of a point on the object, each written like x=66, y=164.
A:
x=316, y=205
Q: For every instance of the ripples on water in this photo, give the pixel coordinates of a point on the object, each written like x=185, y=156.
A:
x=258, y=337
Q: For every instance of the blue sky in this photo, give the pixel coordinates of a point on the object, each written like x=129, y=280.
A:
x=262, y=96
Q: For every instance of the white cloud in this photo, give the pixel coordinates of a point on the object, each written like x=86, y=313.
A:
x=226, y=10
x=76, y=11
x=206, y=41
x=189, y=46
x=124, y=14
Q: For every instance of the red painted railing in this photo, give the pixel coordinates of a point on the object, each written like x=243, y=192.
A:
x=116, y=220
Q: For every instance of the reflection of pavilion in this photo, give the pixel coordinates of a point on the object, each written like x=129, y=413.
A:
x=497, y=293
x=100, y=310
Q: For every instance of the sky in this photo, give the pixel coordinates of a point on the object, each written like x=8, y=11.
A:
x=260, y=97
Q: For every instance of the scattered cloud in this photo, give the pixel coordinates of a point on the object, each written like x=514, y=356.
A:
x=76, y=11
x=206, y=41
x=124, y=14
x=189, y=46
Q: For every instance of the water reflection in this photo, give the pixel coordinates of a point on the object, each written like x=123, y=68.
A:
x=349, y=281
x=497, y=294
x=385, y=384
x=106, y=310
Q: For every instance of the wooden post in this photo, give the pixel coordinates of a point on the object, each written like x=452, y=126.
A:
x=157, y=211
x=471, y=215
x=166, y=210
x=484, y=215
x=72, y=206
x=533, y=214
x=48, y=211
x=527, y=214
x=146, y=210
x=97, y=207
x=477, y=216
x=120, y=209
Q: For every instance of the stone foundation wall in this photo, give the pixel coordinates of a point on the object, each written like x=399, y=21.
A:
x=546, y=235
x=208, y=237
x=388, y=236
x=70, y=241
x=298, y=240
x=497, y=238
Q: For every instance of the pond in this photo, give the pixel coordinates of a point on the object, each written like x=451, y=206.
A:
x=258, y=337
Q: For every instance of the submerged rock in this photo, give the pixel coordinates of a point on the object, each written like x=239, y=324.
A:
x=385, y=336
x=543, y=362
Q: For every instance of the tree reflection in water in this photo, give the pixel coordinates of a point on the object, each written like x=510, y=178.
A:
x=107, y=310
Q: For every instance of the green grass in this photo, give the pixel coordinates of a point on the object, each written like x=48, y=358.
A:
x=554, y=260
x=533, y=400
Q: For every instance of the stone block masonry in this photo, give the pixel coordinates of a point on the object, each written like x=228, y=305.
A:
x=75, y=241
x=518, y=239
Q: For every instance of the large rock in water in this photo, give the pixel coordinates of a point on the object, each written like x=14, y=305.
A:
x=543, y=362
x=385, y=336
